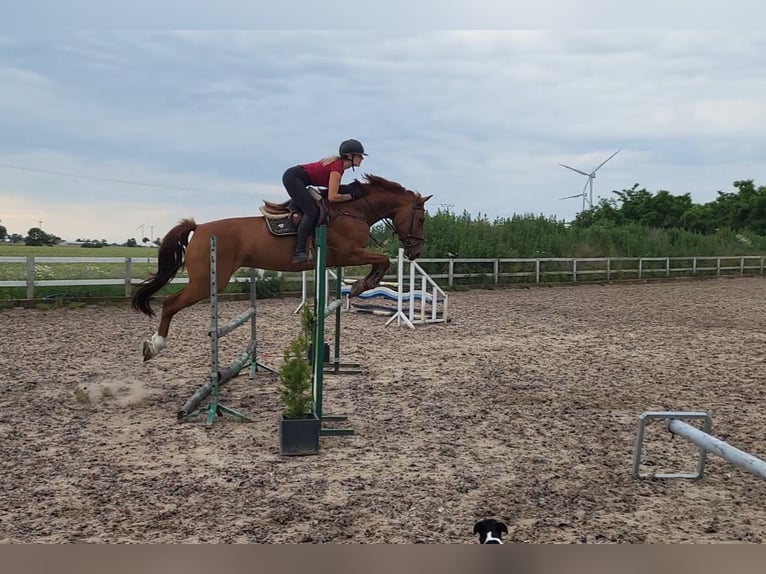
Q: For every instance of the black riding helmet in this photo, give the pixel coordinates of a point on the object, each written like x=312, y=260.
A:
x=351, y=147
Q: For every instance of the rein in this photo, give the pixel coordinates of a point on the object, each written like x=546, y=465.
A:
x=387, y=221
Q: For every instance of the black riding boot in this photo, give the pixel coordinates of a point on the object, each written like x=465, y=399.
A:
x=302, y=234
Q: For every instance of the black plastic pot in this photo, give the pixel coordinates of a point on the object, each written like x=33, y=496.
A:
x=298, y=437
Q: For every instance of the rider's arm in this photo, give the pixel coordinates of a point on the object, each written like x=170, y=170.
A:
x=334, y=187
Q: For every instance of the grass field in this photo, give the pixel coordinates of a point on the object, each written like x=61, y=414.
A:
x=140, y=268
x=18, y=271
x=8, y=250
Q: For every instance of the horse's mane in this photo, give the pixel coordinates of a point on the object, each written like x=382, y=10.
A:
x=382, y=182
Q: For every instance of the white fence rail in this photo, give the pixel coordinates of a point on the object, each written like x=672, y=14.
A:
x=500, y=270
x=601, y=268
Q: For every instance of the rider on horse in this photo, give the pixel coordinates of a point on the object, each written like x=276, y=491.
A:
x=326, y=172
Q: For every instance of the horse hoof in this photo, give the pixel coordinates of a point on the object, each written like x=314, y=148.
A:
x=356, y=289
x=148, y=351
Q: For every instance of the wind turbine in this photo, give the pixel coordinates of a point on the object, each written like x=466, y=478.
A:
x=591, y=176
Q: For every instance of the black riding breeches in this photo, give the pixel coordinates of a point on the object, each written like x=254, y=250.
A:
x=295, y=180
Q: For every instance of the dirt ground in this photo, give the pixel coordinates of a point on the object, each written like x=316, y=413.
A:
x=523, y=408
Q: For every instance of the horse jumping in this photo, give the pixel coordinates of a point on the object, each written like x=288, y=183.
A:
x=248, y=242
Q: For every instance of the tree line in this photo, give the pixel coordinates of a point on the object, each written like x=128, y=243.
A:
x=742, y=210
x=36, y=236
x=633, y=223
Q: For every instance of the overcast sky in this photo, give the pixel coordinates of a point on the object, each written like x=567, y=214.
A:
x=208, y=121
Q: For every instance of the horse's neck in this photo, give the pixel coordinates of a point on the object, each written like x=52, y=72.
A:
x=381, y=205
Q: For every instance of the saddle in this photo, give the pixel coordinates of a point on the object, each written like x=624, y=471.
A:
x=283, y=218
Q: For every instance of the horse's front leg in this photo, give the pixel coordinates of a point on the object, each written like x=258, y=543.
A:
x=379, y=263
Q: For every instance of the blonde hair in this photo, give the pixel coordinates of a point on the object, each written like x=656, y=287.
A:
x=329, y=159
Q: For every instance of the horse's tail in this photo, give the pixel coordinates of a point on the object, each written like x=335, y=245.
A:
x=171, y=259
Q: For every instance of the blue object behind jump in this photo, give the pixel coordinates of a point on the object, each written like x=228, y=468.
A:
x=387, y=293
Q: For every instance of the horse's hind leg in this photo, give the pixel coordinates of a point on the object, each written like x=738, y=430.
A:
x=188, y=296
x=197, y=289
x=369, y=281
x=380, y=264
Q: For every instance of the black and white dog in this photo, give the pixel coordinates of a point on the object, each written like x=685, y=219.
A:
x=490, y=531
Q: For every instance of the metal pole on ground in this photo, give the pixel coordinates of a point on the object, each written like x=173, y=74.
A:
x=699, y=437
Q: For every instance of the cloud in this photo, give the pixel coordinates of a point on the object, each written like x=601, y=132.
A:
x=393, y=14
x=481, y=119
x=107, y=200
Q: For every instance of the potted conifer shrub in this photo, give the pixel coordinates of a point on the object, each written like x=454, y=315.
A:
x=299, y=426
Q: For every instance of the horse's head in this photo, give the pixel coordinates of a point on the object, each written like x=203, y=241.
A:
x=405, y=209
x=409, y=222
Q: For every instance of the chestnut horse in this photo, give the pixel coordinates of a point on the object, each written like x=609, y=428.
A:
x=248, y=242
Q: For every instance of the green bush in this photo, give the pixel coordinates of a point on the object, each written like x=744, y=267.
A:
x=295, y=374
x=266, y=287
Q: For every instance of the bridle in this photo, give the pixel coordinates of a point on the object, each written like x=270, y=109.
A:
x=409, y=241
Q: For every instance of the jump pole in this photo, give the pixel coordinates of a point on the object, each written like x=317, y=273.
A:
x=218, y=377
x=701, y=438
x=320, y=314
